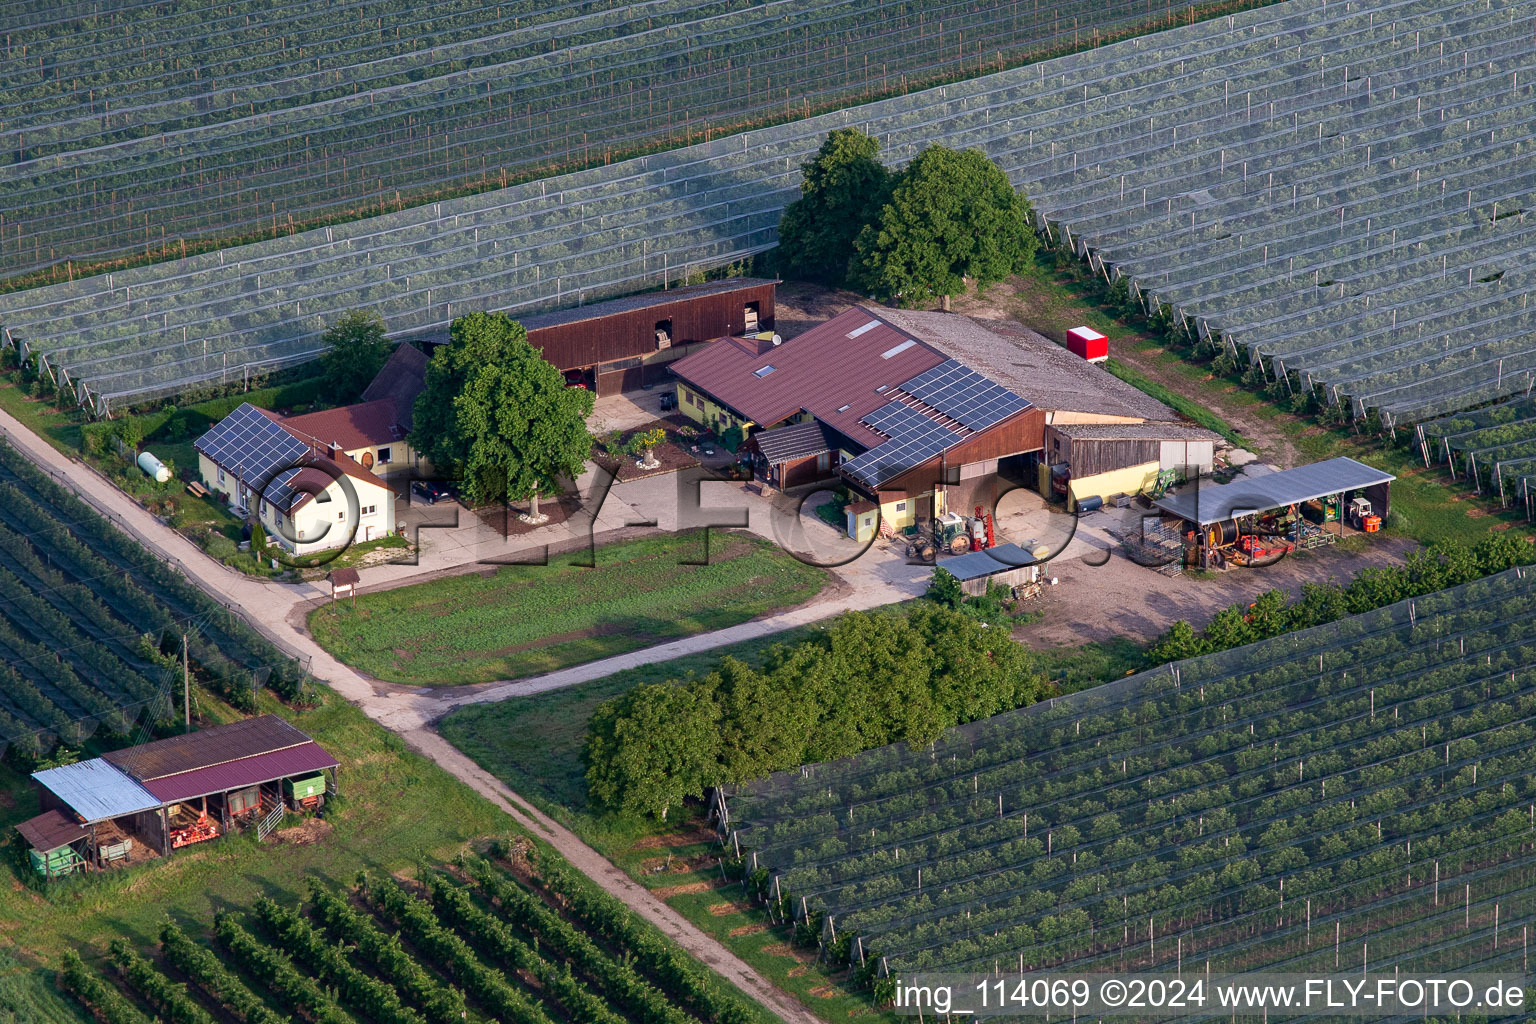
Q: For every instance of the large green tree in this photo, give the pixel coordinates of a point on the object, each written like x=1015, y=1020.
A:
x=355, y=351
x=842, y=188
x=952, y=215
x=498, y=416
x=651, y=748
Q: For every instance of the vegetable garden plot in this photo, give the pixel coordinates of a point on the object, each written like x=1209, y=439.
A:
x=128, y=130
x=84, y=612
x=478, y=945
x=1340, y=187
x=1242, y=808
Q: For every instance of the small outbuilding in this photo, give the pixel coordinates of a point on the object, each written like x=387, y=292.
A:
x=1005, y=565
x=1253, y=516
x=143, y=802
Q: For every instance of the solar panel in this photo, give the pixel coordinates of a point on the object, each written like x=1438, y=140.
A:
x=961, y=393
x=914, y=439
x=251, y=444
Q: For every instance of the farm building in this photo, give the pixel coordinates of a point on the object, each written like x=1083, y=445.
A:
x=144, y=802
x=1253, y=516
x=1081, y=401
x=624, y=344
x=1006, y=565
x=291, y=466
x=1101, y=460
x=859, y=397
x=300, y=489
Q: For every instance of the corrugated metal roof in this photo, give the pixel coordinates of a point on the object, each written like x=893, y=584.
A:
x=207, y=747
x=248, y=771
x=1210, y=503
x=96, y=790
x=1135, y=432
x=836, y=371
x=50, y=830
x=989, y=562
x=797, y=441
x=1030, y=364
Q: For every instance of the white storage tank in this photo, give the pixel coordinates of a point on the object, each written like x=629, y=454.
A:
x=154, y=468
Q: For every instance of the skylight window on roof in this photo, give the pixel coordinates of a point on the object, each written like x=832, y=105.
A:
x=864, y=330
x=842, y=408
x=764, y=371
x=881, y=389
x=898, y=350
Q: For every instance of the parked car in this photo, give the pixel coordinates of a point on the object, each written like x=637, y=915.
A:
x=429, y=491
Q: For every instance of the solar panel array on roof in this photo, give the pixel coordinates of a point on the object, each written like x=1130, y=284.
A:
x=284, y=488
x=961, y=393
x=914, y=439
x=248, y=442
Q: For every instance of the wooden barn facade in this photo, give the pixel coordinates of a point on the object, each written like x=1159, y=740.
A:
x=623, y=344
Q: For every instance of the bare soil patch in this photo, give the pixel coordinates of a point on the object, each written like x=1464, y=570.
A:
x=729, y=907
x=311, y=831
x=784, y=949
x=670, y=839
x=754, y=929
x=666, y=892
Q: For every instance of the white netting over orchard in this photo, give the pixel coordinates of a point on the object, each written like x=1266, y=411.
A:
x=1372, y=775
x=1341, y=187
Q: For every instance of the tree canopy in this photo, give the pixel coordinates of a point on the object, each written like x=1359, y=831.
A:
x=497, y=416
x=842, y=188
x=355, y=351
x=872, y=678
x=951, y=215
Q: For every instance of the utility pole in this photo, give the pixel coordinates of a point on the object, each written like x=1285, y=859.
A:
x=186, y=686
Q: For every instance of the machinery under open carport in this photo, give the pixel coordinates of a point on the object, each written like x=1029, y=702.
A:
x=1257, y=520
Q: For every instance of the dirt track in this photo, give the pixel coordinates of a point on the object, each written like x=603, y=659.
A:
x=254, y=601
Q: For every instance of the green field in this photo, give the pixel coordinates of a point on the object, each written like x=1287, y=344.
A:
x=523, y=620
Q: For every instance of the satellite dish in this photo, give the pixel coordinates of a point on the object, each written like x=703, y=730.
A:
x=777, y=341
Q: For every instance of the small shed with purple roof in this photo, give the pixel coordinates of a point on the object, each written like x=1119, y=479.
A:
x=146, y=801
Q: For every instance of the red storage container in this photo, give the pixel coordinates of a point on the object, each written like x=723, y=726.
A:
x=1089, y=344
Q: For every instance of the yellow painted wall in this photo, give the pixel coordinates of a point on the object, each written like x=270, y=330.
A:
x=899, y=518
x=1130, y=480
x=707, y=412
x=1060, y=416
x=862, y=525
x=402, y=458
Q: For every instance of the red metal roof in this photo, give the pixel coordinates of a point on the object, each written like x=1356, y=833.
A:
x=821, y=372
x=205, y=748
x=247, y=771
x=50, y=830
x=365, y=425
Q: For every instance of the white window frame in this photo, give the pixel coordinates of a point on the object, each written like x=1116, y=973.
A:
x=386, y=456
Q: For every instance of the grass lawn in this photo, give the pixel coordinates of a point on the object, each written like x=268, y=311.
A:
x=60, y=429
x=396, y=808
x=534, y=745
x=523, y=620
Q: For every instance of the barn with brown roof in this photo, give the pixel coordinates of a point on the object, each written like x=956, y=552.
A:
x=858, y=398
x=144, y=802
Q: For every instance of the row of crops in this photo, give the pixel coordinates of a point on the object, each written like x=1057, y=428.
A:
x=1245, y=169
x=91, y=624
x=127, y=130
x=1492, y=449
x=1278, y=807
x=476, y=944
